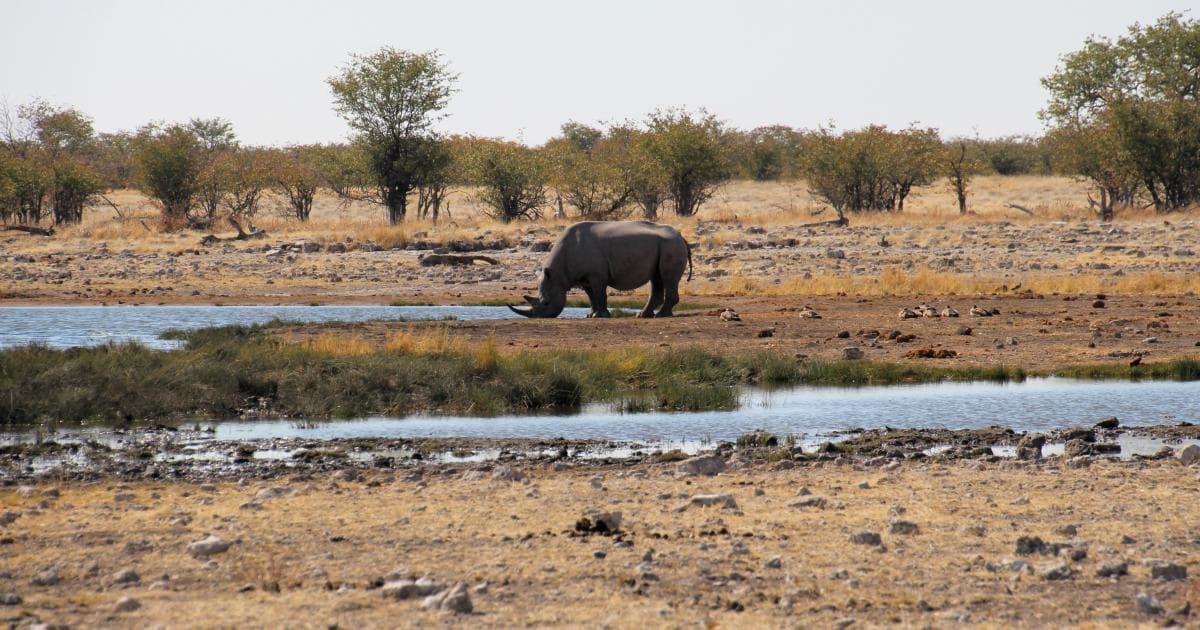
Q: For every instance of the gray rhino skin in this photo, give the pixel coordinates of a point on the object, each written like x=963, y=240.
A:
x=624, y=255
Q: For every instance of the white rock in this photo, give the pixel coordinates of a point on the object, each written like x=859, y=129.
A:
x=1189, y=454
x=208, y=547
x=708, y=465
x=127, y=604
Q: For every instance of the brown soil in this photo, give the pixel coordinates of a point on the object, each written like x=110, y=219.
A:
x=1037, y=332
x=314, y=555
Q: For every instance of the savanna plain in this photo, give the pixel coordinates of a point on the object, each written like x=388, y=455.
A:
x=878, y=530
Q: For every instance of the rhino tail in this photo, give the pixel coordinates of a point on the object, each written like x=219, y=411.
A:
x=689, y=250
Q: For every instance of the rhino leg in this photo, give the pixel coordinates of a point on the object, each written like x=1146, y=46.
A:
x=670, y=294
x=597, y=291
x=656, y=297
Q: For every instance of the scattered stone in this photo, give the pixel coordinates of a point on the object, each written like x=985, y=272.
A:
x=964, y=331
x=1030, y=545
x=776, y=562
x=929, y=352
x=904, y=527
x=10, y=599
x=1056, y=572
x=708, y=466
x=599, y=523
x=210, y=546
x=810, y=501
x=127, y=604
x=46, y=577
x=1113, y=569
x=7, y=518
x=454, y=600
x=1166, y=571
x=708, y=500
x=1148, y=605
x=1033, y=440
x=126, y=576
x=599, y=554
x=1110, y=422
x=409, y=589
x=507, y=473
x=866, y=538
x=1189, y=455
x=1067, y=530
x=272, y=492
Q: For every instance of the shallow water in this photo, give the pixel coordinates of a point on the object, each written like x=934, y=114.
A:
x=1040, y=404
x=74, y=326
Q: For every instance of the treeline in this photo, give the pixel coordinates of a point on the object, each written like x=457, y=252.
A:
x=1122, y=114
x=53, y=164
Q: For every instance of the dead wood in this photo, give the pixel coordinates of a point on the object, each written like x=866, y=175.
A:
x=433, y=260
x=29, y=229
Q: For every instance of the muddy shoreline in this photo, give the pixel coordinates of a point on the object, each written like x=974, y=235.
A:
x=187, y=455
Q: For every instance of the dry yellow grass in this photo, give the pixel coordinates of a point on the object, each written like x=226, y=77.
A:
x=745, y=202
x=924, y=281
x=307, y=558
x=424, y=340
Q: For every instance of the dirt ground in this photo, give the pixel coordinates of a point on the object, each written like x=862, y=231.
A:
x=313, y=547
x=1040, y=333
x=313, y=550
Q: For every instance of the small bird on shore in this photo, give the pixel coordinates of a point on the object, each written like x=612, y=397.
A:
x=949, y=312
x=809, y=313
x=980, y=312
x=1095, y=339
x=1135, y=361
x=730, y=315
x=906, y=313
x=926, y=310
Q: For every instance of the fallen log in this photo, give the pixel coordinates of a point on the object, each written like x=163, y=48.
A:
x=242, y=234
x=1021, y=208
x=29, y=229
x=838, y=222
x=433, y=260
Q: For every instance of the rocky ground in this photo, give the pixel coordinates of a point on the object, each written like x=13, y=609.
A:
x=740, y=537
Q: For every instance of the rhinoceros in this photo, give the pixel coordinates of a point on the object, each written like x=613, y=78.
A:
x=624, y=255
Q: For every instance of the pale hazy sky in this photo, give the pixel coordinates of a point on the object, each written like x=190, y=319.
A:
x=526, y=67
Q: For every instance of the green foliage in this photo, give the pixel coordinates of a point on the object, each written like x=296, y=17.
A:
x=596, y=172
x=46, y=164
x=961, y=162
x=691, y=150
x=1011, y=155
x=169, y=165
x=391, y=99
x=513, y=179
x=295, y=173
x=223, y=370
x=74, y=184
x=771, y=153
x=1135, y=102
x=871, y=169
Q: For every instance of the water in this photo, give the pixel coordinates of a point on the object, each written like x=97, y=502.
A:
x=73, y=326
x=1040, y=404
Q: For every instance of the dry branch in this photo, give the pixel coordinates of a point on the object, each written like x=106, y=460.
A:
x=455, y=260
x=1021, y=208
x=838, y=222
x=29, y=229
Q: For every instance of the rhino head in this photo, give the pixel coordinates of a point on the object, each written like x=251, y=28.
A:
x=552, y=298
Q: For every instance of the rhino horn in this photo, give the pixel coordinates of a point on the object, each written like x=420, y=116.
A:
x=523, y=313
x=532, y=300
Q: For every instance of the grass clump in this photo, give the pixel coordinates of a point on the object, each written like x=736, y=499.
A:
x=219, y=373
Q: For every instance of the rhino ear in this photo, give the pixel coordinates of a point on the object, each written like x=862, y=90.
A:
x=532, y=300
